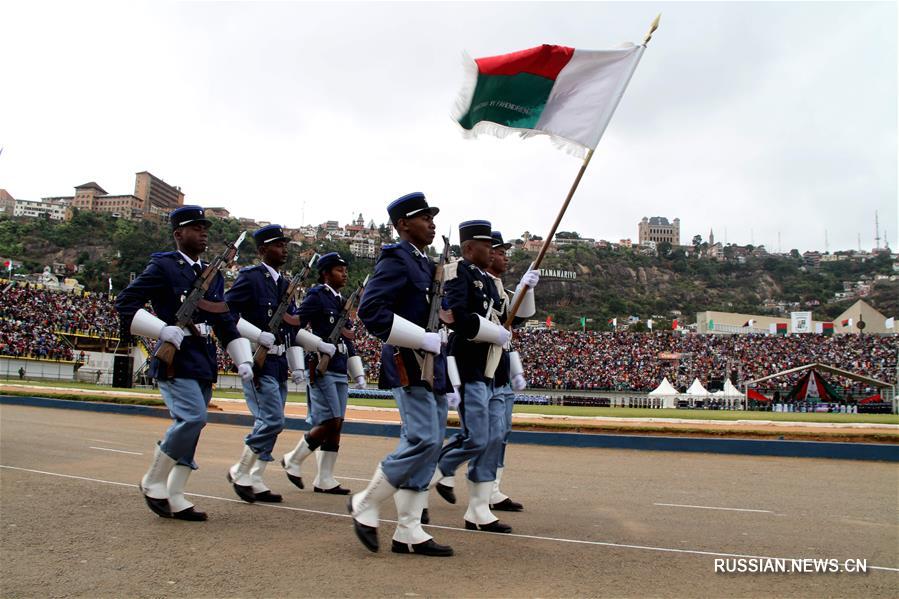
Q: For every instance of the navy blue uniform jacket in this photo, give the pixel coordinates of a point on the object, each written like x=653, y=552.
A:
x=166, y=280
x=469, y=294
x=400, y=285
x=321, y=308
x=254, y=297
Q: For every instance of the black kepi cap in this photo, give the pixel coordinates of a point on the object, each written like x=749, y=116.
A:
x=329, y=261
x=268, y=234
x=498, y=240
x=410, y=205
x=186, y=215
x=475, y=229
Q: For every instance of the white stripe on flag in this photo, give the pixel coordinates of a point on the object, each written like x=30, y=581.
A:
x=586, y=93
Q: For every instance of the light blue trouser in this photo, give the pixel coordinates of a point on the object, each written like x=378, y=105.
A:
x=267, y=406
x=507, y=396
x=186, y=400
x=482, y=414
x=412, y=463
x=327, y=397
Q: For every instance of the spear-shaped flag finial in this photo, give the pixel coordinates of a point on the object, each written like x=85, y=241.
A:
x=652, y=28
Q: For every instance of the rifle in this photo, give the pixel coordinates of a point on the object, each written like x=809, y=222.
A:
x=280, y=315
x=334, y=337
x=194, y=299
x=436, y=293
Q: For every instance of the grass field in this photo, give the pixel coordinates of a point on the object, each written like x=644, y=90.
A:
x=152, y=399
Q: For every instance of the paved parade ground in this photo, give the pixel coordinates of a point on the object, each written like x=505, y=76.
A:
x=597, y=522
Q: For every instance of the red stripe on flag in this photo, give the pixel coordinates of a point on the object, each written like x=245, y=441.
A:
x=544, y=61
x=846, y=322
x=753, y=394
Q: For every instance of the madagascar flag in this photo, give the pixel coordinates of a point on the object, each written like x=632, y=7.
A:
x=554, y=90
x=781, y=328
x=827, y=329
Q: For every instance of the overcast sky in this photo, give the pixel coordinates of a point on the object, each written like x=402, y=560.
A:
x=748, y=118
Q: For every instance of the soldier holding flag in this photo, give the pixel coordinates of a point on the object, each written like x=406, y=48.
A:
x=510, y=362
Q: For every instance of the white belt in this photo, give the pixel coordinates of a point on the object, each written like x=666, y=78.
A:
x=204, y=329
x=278, y=350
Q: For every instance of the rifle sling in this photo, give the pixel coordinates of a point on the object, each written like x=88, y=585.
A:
x=212, y=307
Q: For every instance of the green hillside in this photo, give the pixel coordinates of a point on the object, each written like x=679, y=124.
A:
x=610, y=283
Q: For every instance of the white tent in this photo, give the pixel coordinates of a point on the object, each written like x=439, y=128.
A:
x=697, y=390
x=730, y=390
x=666, y=392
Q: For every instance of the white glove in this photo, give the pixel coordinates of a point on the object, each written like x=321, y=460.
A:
x=431, y=342
x=266, y=339
x=326, y=348
x=444, y=336
x=530, y=278
x=453, y=398
x=360, y=383
x=519, y=382
x=173, y=335
x=298, y=376
x=503, y=336
x=245, y=371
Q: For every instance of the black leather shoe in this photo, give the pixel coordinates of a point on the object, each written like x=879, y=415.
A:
x=190, y=514
x=160, y=507
x=495, y=526
x=429, y=547
x=245, y=492
x=368, y=535
x=425, y=516
x=338, y=490
x=296, y=480
x=268, y=497
x=448, y=493
x=507, y=505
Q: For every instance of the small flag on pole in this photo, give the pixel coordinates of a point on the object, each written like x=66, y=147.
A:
x=890, y=323
x=674, y=325
x=549, y=321
x=649, y=323
x=562, y=92
x=847, y=322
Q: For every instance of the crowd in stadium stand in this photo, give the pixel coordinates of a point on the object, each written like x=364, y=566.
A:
x=91, y=314
x=553, y=359
x=631, y=361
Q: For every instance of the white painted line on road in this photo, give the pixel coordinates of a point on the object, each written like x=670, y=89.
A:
x=116, y=450
x=707, y=507
x=452, y=528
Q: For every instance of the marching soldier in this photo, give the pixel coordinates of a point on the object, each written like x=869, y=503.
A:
x=186, y=387
x=396, y=309
x=476, y=347
x=253, y=299
x=327, y=392
x=509, y=362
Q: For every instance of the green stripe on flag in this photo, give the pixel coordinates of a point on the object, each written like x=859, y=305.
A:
x=510, y=100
